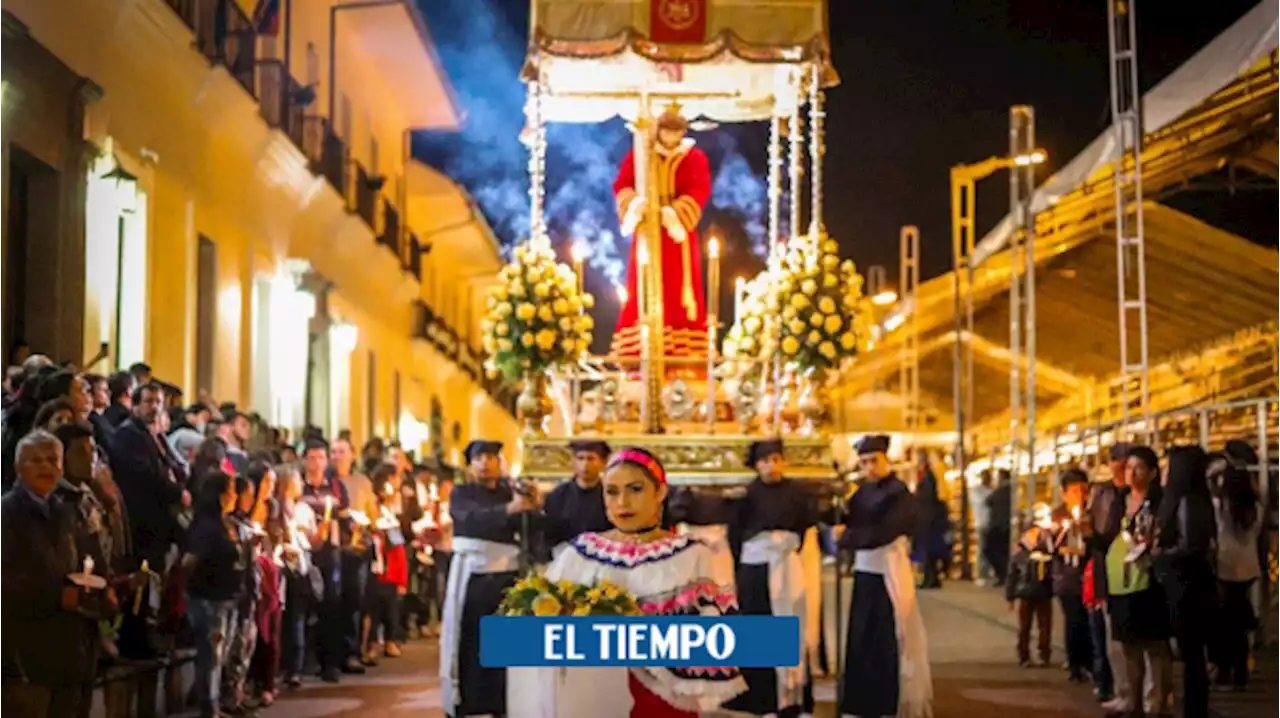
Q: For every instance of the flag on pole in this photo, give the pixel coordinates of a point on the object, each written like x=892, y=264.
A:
x=266, y=17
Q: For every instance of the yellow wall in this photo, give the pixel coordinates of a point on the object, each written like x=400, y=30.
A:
x=208, y=164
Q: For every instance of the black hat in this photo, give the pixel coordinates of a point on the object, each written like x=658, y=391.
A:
x=72, y=430
x=762, y=449
x=594, y=445
x=873, y=443
x=482, y=446
x=1120, y=451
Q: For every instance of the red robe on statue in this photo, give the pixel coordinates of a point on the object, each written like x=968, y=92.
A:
x=684, y=185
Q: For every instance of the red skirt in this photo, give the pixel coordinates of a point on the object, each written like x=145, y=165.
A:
x=648, y=705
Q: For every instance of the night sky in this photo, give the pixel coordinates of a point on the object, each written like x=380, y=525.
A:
x=922, y=90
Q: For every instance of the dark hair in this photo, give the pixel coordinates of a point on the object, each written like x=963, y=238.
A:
x=1187, y=477
x=120, y=384
x=93, y=379
x=1072, y=476
x=382, y=473
x=139, y=368
x=1146, y=456
x=313, y=444
x=56, y=386
x=257, y=471
x=208, y=456
x=213, y=484
x=141, y=389
x=52, y=407
x=1241, y=497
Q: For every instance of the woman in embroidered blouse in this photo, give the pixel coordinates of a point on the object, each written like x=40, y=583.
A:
x=669, y=575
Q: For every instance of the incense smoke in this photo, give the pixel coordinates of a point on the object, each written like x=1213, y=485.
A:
x=483, y=54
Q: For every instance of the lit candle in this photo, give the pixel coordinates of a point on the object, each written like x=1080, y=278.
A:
x=739, y=291
x=88, y=566
x=328, y=508
x=713, y=278
x=623, y=294
x=578, y=253
x=145, y=569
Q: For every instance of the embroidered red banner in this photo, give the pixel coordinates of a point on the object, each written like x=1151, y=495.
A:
x=678, y=21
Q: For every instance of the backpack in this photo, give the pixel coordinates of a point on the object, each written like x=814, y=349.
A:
x=1126, y=577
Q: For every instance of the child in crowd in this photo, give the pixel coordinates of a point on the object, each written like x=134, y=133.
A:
x=390, y=569
x=1029, y=587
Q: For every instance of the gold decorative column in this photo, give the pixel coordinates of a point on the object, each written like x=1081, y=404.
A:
x=649, y=233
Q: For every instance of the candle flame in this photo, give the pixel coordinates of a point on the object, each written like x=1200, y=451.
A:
x=713, y=248
x=623, y=294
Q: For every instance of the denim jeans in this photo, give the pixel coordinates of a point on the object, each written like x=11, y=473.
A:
x=1102, y=678
x=211, y=627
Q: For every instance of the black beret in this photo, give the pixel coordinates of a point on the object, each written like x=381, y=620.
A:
x=482, y=446
x=873, y=443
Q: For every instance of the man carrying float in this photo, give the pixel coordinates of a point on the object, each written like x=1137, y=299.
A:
x=887, y=669
x=486, y=559
x=767, y=527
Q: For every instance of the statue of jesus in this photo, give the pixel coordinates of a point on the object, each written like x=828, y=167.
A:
x=683, y=179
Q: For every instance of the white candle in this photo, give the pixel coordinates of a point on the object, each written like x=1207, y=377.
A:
x=328, y=508
x=88, y=565
x=739, y=291
x=713, y=278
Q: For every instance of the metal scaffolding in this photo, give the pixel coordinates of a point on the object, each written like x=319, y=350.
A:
x=1131, y=269
x=909, y=371
x=1022, y=300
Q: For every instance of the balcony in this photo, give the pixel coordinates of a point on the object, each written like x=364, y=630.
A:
x=225, y=35
x=389, y=237
x=365, y=196
x=284, y=101
x=413, y=262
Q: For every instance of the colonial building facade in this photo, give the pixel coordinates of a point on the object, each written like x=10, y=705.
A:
x=216, y=188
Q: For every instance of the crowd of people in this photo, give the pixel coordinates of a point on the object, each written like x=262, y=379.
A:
x=1141, y=560
x=136, y=527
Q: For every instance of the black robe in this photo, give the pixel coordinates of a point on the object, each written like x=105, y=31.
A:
x=572, y=510
x=879, y=513
x=781, y=506
x=481, y=513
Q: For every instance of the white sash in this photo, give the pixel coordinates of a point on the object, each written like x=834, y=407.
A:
x=778, y=551
x=470, y=555
x=915, y=683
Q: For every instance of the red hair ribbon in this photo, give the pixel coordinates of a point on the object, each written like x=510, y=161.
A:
x=642, y=460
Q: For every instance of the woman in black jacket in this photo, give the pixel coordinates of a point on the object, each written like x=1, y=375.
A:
x=1185, y=533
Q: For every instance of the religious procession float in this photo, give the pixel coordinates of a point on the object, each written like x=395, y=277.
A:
x=679, y=380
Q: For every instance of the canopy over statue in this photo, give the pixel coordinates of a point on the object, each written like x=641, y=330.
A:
x=594, y=57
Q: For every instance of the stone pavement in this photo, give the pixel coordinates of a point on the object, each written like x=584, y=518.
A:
x=971, y=651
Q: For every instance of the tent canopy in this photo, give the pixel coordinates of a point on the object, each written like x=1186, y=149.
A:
x=1188, y=264
x=744, y=62
x=1243, y=46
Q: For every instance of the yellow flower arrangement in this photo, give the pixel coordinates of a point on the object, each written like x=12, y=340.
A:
x=536, y=317
x=534, y=595
x=819, y=300
x=748, y=339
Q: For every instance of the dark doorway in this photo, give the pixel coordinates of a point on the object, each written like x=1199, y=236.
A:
x=30, y=251
x=206, y=312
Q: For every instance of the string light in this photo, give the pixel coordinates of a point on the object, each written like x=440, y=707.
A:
x=537, y=166
x=775, y=186
x=816, y=149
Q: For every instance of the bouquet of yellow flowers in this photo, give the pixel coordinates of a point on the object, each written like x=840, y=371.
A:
x=818, y=299
x=536, y=317
x=749, y=337
x=536, y=596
